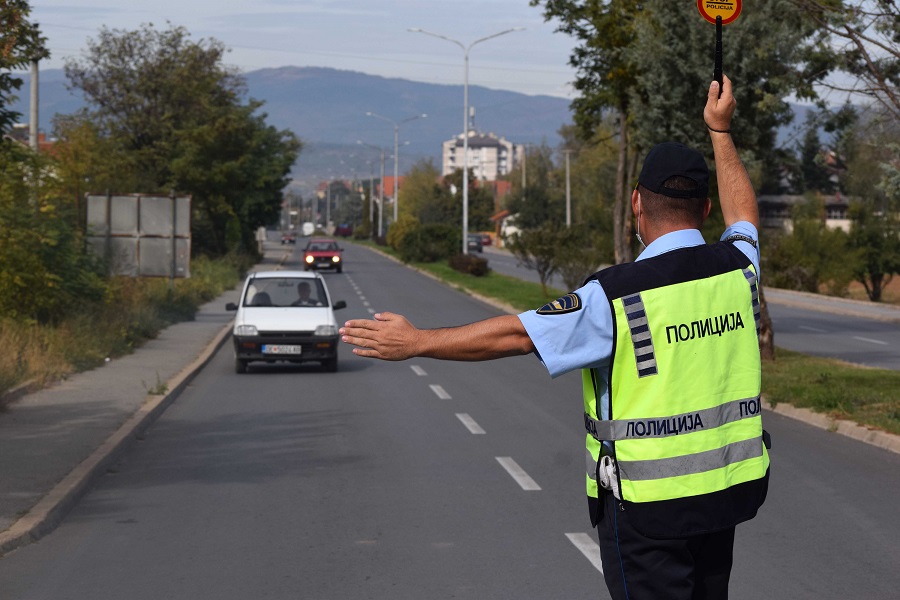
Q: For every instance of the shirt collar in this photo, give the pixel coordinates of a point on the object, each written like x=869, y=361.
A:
x=683, y=238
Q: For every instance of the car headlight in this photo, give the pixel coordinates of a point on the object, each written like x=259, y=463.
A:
x=309, y=259
x=336, y=259
x=326, y=330
x=246, y=330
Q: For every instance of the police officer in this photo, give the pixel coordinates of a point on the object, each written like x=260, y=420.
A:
x=670, y=364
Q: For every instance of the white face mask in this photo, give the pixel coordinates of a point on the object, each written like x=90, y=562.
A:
x=637, y=222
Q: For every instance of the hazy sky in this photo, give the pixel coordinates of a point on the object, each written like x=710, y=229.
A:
x=369, y=36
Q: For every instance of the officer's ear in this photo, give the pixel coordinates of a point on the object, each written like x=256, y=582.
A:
x=635, y=202
x=707, y=206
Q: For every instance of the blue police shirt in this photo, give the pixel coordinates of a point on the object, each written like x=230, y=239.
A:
x=582, y=339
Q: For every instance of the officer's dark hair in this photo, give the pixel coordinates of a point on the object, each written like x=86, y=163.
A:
x=676, y=211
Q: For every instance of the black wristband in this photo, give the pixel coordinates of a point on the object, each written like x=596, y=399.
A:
x=718, y=130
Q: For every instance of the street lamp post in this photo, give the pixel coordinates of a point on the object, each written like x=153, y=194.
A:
x=380, y=193
x=465, y=218
x=396, y=125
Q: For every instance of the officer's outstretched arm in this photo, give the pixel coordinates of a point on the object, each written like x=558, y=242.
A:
x=391, y=337
x=735, y=191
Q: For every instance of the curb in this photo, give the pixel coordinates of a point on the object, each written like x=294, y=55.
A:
x=46, y=515
x=874, y=437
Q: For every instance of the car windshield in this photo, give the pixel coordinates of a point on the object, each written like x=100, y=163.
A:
x=286, y=291
x=322, y=246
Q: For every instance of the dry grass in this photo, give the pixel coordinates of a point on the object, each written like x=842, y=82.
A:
x=133, y=311
x=890, y=295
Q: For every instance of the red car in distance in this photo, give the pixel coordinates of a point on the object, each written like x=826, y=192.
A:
x=323, y=253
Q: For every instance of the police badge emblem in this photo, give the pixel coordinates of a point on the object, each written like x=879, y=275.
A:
x=566, y=304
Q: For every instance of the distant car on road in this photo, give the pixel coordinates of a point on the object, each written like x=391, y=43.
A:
x=288, y=237
x=285, y=316
x=323, y=253
x=343, y=230
x=473, y=243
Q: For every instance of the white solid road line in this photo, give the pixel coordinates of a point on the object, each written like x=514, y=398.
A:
x=418, y=370
x=588, y=547
x=870, y=340
x=518, y=473
x=441, y=393
x=470, y=424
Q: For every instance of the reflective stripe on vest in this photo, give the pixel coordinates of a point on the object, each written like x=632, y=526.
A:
x=640, y=335
x=754, y=292
x=674, y=425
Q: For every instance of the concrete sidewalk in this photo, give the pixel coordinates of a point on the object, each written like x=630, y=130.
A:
x=54, y=442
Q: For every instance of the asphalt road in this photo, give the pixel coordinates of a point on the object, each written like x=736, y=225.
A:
x=419, y=480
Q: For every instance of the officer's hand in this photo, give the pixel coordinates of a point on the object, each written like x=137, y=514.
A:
x=388, y=337
x=719, y=110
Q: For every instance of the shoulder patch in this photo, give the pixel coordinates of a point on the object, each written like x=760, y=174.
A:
x=566, y=304
x=740, y=237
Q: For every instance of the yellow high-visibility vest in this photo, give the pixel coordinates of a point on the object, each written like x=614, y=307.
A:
x=684, y=423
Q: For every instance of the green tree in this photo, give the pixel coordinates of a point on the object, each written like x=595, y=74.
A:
x=812, y=175
x=45, y=274
x=872, y=180
x=542, y=200
x=536, y=249
x=876, y=236
x=857, y=49
x=178, y=120
x=581, y=252
x=21, y=43
x=650, y=62
x=811, y=255
x=424, y=197
x=606, y=75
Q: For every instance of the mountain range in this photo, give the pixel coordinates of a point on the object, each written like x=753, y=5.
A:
x=327, y=109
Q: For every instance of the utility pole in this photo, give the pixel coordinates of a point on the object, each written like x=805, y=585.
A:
x=33, y=122
x=568, y=192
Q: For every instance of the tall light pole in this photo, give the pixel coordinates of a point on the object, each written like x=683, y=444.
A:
x=465, y=218
x=396, y=125
x=372, y=190
x=568, y=191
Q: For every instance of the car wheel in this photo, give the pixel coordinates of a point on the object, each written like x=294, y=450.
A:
x=240, y=366
x=340, y=269
x=330, y=364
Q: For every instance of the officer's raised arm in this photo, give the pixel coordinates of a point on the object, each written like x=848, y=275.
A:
x=392, y=337
x=735, y=191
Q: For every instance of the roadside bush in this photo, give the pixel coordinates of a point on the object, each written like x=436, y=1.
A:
x=45, y=274
x=399, y=229
x=429, y=243
x=470, y=264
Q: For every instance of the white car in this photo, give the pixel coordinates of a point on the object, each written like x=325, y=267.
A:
x=285, y=316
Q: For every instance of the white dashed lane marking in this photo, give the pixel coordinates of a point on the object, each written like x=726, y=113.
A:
x=418, y=370
x=587, y=546
x=441, y=392
x=870, y=340
x=815, y=329
x=518, y=473
x=473, y=427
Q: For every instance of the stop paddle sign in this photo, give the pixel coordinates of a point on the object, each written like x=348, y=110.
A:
x=727, y=10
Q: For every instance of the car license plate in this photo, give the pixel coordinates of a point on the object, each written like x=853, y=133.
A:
x=276, y=349
x=323, y=265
